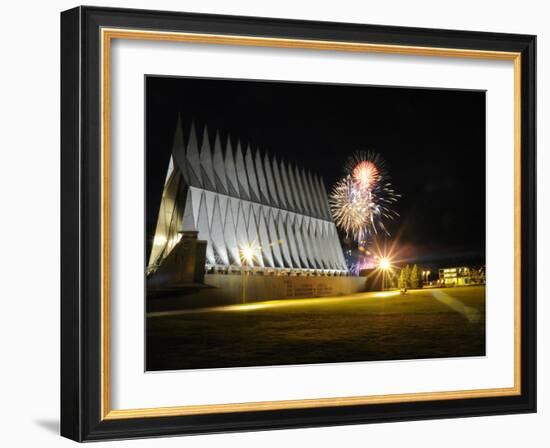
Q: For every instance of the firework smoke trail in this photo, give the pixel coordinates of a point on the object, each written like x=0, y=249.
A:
x=363, y=199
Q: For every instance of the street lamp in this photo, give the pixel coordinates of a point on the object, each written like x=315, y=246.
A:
x=384, y=265
x=426, y=275
x=247, y=253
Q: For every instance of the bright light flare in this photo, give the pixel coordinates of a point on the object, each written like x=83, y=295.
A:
x=384, y=264
x=249, y=253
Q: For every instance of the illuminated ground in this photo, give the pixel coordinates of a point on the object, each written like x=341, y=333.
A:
x=372, y=326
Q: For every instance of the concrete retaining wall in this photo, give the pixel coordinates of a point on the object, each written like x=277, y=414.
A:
x=228, y=290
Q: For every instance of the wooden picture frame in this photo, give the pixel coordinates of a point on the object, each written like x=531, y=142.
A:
x=86, y=35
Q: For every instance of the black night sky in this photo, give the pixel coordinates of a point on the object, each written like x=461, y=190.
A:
x=433, y=142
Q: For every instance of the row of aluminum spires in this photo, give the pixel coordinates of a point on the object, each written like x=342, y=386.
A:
x=252, y=177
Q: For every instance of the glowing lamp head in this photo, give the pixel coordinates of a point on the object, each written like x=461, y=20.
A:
x=384, y=264
x=247, y=254
x=365, y=174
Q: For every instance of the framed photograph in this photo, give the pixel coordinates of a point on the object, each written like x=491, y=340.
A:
x=275, y=224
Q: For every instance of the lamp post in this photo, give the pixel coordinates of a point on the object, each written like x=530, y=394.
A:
x=384, y=265
x=425, y=276
x=243, y=283
x=247, y=259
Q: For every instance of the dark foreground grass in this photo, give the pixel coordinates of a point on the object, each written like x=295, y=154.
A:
x=364, y=327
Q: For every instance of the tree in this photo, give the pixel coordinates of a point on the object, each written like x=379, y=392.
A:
x=403, y=281
x=393, y=280
x=408, y=276
x=416, y=281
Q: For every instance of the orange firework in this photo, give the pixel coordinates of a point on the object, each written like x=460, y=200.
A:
x=366, y=174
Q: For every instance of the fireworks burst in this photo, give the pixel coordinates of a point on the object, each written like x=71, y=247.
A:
x=363, y=199
x=367, y=168
x=365, y=174
x=351, y=209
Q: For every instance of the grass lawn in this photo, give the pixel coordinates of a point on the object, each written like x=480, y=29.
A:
x=431, y=323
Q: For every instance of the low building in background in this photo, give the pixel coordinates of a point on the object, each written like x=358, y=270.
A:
x=462, y=276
